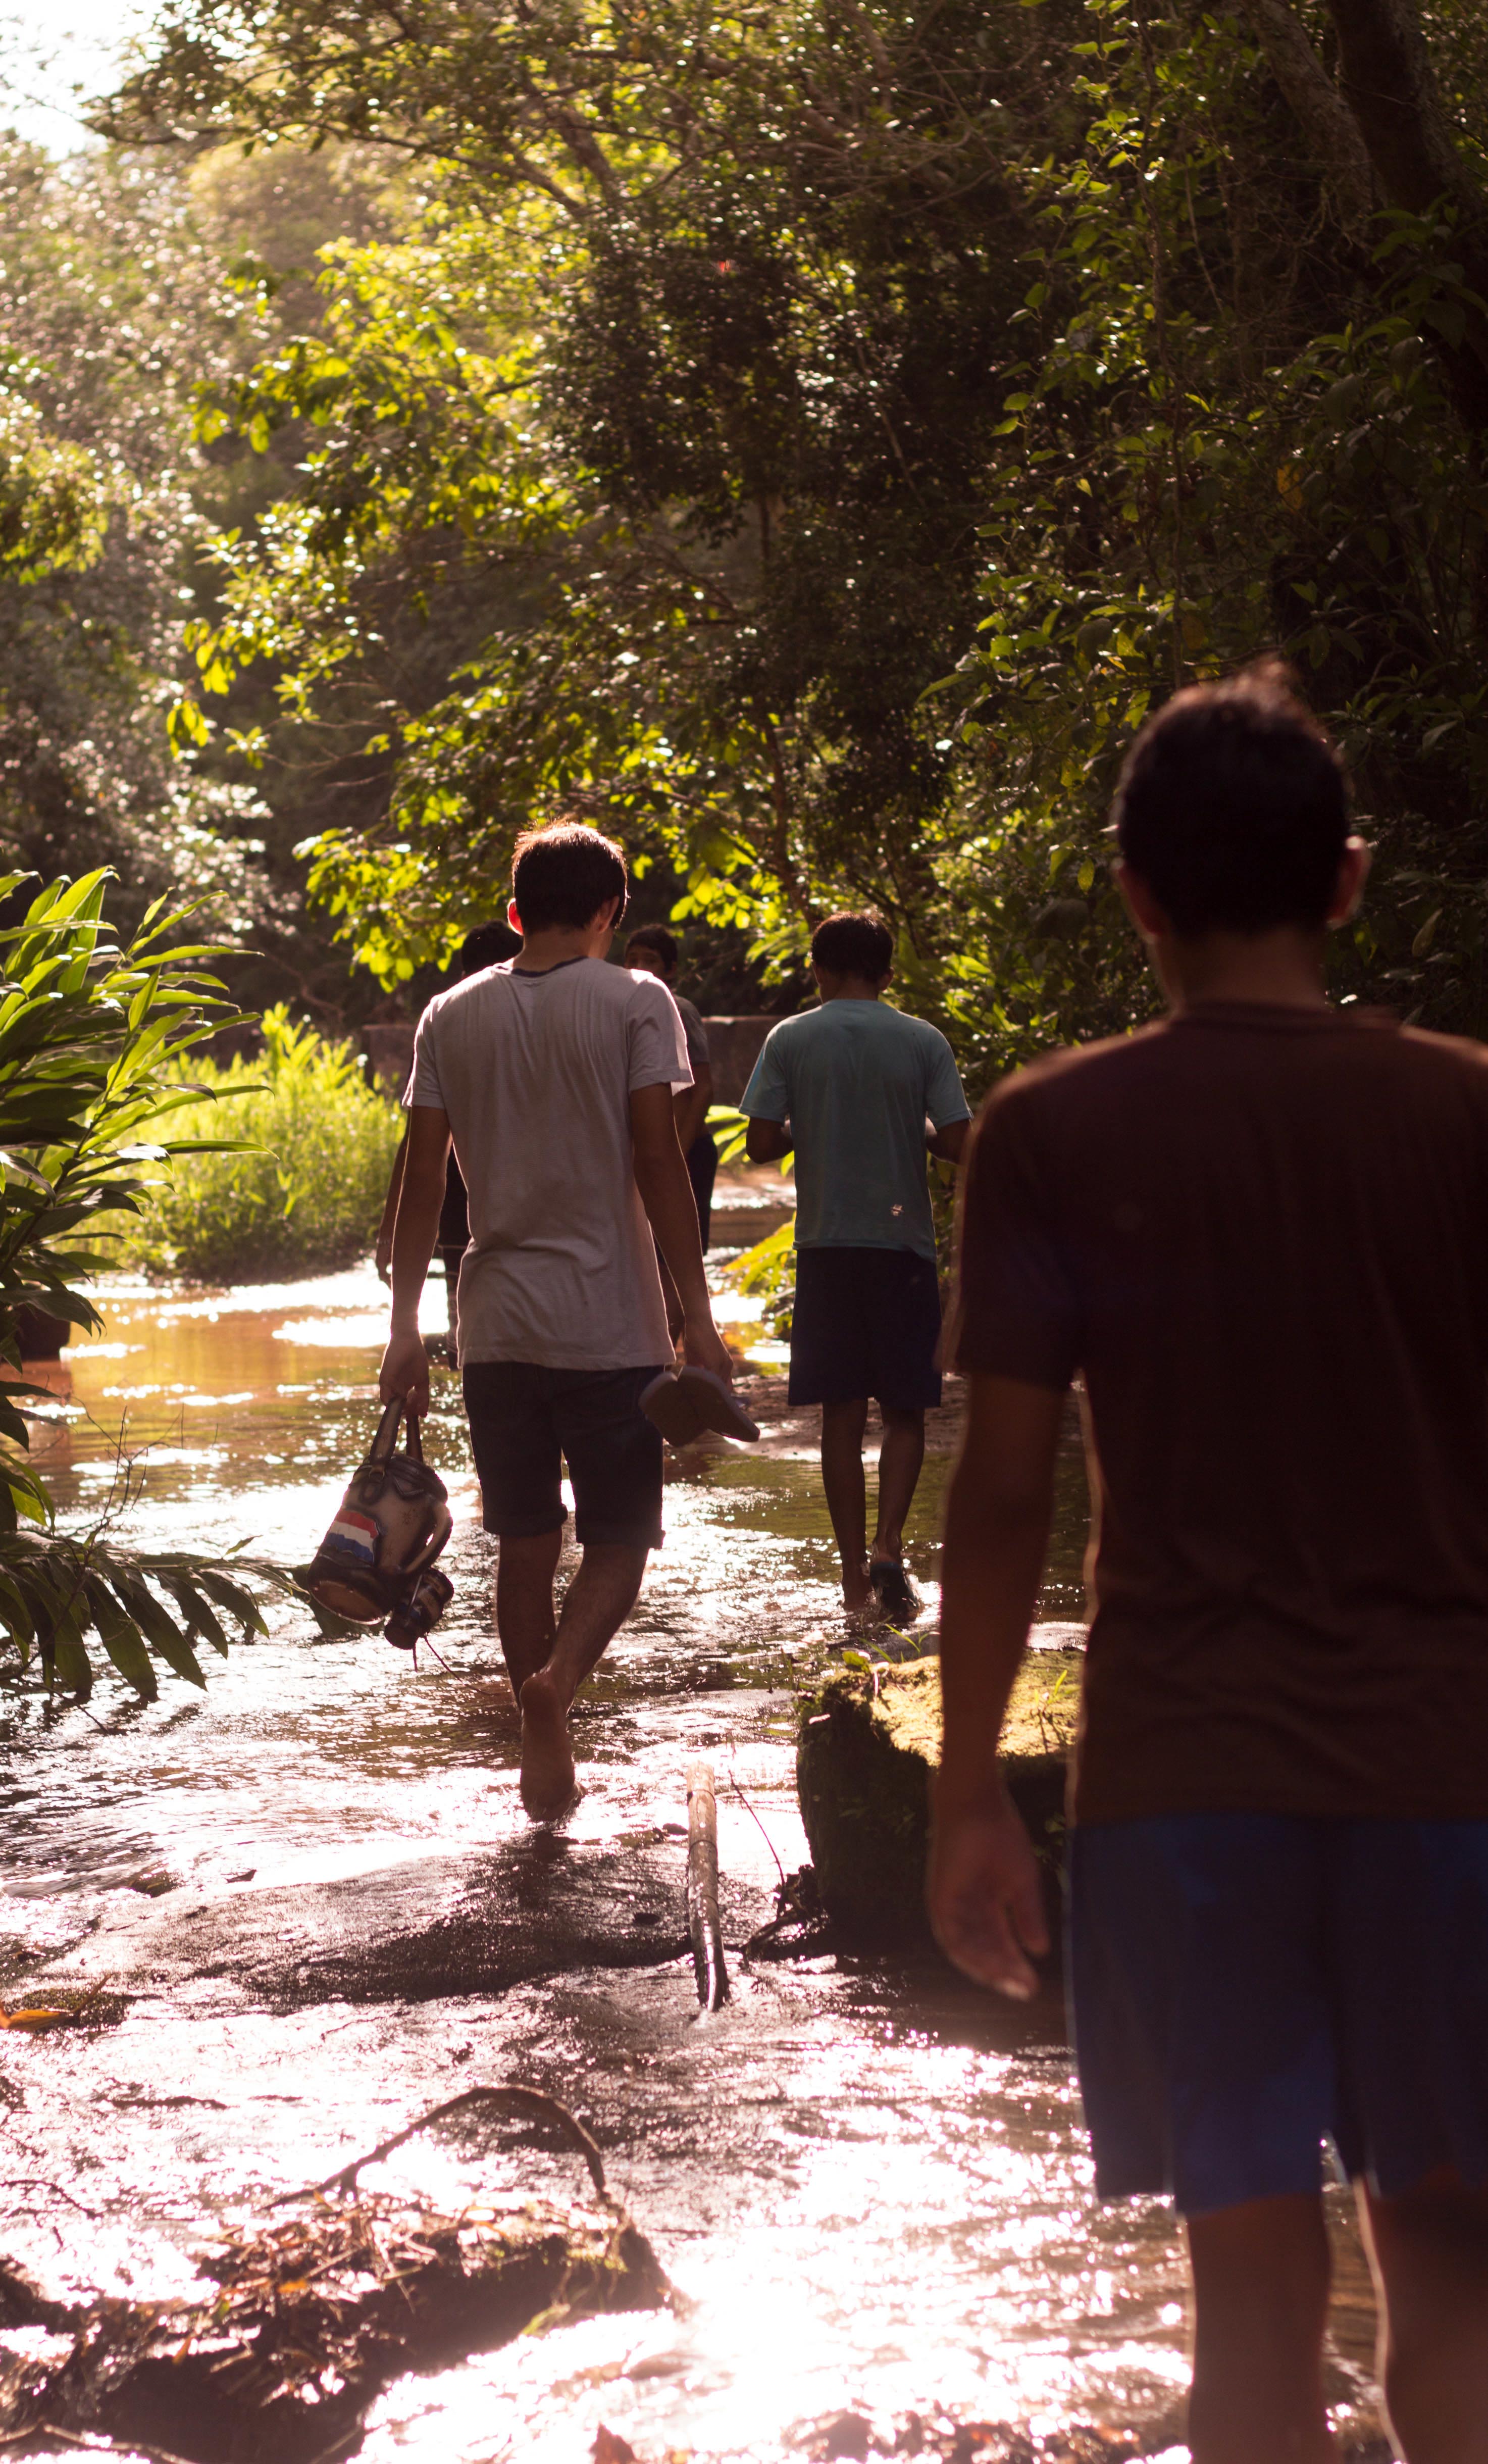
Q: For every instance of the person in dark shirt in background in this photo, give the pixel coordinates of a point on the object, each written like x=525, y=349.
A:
x=1258, y=1229
x=653, y=950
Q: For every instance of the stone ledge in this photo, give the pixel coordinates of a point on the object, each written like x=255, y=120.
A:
x=869, y=1741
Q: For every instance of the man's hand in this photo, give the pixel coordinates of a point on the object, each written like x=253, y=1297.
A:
x=404, y=1376
x=382, y=1257
x=703, y=1347
x=986, y=1900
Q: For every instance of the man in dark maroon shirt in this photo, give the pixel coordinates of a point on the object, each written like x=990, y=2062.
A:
x=1259, y=1231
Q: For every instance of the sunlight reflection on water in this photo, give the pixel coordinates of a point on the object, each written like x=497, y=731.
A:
x=870, y=2181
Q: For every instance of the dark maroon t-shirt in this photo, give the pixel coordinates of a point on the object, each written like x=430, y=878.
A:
x=1261, y=1235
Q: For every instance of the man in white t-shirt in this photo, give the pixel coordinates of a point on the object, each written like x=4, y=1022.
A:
x=553, y=1073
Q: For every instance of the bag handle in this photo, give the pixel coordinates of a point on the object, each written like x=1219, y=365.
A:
x=381, y=1451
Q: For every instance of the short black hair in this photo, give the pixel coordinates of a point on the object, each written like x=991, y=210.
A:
x=563, y=875
x=854, y=942
x=484, y=947
x=655, y=936
x=1233, y=807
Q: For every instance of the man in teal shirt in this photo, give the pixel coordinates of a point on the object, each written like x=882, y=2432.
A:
x=851, y=1087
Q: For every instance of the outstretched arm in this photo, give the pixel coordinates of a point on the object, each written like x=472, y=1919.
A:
x=404, y=1368
x=666, y=1195
x=985, y=1902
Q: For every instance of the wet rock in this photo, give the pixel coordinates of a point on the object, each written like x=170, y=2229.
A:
x=310, y=2320
x=870, y=1739
x=421, y=1930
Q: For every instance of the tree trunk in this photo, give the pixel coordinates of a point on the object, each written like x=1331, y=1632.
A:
x=1328, y=125
x=1389, y=85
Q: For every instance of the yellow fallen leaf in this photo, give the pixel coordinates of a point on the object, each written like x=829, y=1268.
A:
x=37, y=2022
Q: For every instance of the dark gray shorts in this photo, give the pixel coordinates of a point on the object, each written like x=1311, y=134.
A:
x=526, y=1420
x=866, y=1322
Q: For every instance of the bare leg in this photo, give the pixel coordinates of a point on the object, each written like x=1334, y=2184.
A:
x=1429, y=2249
x=525, y=1618
x=1260, y=2285
x=842, y=1425
x=900, y=1457
x=595, y=1606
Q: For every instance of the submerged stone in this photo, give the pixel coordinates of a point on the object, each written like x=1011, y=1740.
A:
x=870, y=1740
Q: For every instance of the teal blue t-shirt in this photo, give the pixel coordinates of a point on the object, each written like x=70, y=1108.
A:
x=856, y=1080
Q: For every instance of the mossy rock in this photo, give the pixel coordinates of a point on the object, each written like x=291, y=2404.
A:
x=870, y=1739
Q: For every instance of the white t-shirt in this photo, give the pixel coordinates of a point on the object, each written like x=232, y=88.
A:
x=536, y=1073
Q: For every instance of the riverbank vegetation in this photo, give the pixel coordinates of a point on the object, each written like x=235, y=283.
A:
x=92, y=1041
x=807, y=441
x=304, y=1188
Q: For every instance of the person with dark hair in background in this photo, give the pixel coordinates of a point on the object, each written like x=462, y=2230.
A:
x=653, y=950
x=853, y=1087
x=1256, y=1229
x=483, y=947
x=555, y=1075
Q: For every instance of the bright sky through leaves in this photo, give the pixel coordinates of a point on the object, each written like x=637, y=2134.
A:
x=50, y=49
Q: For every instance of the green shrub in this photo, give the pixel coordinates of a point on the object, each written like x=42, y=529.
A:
x=768, y=1272
x=94, y=1041
x=310, y=1195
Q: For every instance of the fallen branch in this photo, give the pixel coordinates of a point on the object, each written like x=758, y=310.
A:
x=511, y=2099
x=93, y=2445
x=759, y=1827
x=703, y=1923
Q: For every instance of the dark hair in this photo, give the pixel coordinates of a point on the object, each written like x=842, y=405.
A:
x=564, y=874
x=485, y=947
x=853, y=944
x=655, y=936
x=1233, y=807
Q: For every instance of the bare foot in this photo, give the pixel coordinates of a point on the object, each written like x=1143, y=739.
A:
x=857, y=1590
x=548, y=1776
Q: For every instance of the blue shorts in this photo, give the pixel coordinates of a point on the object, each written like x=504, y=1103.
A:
x=1248, y=1985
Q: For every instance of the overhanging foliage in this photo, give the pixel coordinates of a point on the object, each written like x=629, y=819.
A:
x=860, y=415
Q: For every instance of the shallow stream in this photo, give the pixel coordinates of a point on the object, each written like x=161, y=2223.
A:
x=321, y=1908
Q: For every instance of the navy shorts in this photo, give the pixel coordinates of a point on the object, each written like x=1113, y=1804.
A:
x=524, y=1419
x=1248, y=1985
x=866, y=1322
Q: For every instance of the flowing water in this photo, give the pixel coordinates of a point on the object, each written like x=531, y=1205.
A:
x=325, y=1910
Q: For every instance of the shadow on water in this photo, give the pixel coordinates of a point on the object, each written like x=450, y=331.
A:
x=316, y=1892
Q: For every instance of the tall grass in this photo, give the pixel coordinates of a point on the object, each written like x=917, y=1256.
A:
x=309, y=1196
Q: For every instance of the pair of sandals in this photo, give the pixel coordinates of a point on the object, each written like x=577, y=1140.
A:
x=684, y=1403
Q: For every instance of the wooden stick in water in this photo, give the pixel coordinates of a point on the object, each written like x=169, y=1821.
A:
x=712, y=1978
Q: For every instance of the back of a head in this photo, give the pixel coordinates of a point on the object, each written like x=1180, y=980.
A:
x=1233, y=807
x=562, y=875
x=854, y=942
x=661, y=944
x=484, y=947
